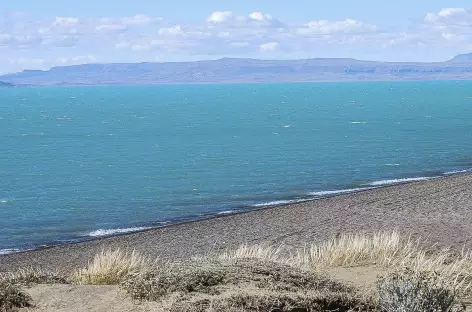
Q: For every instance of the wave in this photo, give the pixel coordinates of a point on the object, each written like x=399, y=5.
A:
x=228, y=212
x=457, y=171
x=110, y=232
x=339, y=192
x=280, y=202
x=32, y=134
x=358, y=122
x=3, y=201
x=398, y=181
x=8, y=251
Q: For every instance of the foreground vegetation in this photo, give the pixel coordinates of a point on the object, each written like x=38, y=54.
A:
x=263, y=278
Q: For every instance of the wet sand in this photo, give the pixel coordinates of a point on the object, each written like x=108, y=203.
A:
x=439, y=210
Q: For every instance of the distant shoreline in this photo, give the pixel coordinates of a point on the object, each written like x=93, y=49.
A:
x=446, y=79
x=436, y=209
x=229, y=70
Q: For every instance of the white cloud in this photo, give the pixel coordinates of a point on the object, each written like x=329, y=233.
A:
x=220, y=17
x=139, y=20
x=450, y=16
x=19, y=41
x=29, y=62
x=172, y=31
x=122, y=45
x=258, y=16
x=347, y=26
x=66, y=21
x=239, y=44
x=141, y=47
x=111, y=28
x=75, y=60
x=60, y=41
x=269, y=47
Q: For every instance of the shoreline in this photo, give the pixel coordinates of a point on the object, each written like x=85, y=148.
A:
x=437, y=209
x=318, y=195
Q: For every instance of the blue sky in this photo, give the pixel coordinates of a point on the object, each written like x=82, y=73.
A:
x=42, y=34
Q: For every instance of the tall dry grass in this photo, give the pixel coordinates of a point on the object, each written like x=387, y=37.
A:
x=347, y=250
x=110, y=268
x=391, y=252
x=260, y=252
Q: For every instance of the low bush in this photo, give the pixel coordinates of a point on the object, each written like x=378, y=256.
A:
x=242, y=285
x=12, y=297
x=31, y=276
x=410, y=291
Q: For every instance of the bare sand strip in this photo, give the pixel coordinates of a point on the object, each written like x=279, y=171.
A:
x=439, y=210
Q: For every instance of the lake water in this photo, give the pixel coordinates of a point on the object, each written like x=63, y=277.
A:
x=81, y=162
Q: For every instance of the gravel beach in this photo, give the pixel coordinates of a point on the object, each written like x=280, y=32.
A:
x=439, y=210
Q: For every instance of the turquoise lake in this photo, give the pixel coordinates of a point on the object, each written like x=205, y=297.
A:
x=83, y=162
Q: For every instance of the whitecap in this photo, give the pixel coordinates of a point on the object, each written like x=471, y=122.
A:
x=339, y=192
x=392, y=165
x=110, y=232
x=398, y=181
x=288, y=126
x=358, y=122
x=3, y=201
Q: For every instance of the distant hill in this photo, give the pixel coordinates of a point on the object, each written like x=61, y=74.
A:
x=462, y=58
x=230, y=70
x=5, y=84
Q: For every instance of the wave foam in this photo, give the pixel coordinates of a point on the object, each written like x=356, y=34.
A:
x=339, y=192
x=457, y=171
x=398, y=181
x=110, y=232
x=280, y=202
x=8, y=251
x=358, y=122
x=3, y=201
x=228, y=212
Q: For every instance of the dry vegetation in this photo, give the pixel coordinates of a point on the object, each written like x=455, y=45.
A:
x=390, y=252
x=110, y=268
x=263, y=278
x=242, y=285
x=417, y=292
x=12, y=297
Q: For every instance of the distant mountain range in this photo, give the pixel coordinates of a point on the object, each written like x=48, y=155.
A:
x=229, y=70
x=5, y=84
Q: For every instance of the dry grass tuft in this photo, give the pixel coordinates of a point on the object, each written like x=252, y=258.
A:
x=11, y=296
x=110, y=268
x=260, y=252
x=31, y=276
x=391, y=252
x=347, y=250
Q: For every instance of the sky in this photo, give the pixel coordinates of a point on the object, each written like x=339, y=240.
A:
x=43, y=34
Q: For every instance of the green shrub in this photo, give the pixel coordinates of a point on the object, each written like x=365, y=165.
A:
x=409, y=291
